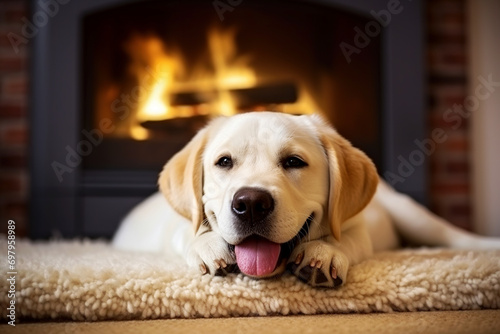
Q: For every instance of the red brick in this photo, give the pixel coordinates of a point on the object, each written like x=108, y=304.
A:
x=448, y=28
x=6, y=31
x=436, y=39
x=455, y=58
x=14, y=85
x=12, y=63
x=453, y=99
x=16, y=210
x=11, y=183
x=438, y=121
x=444, y=6
x=433, y=167
x=21, y=226
x=450, y=188
x=446, y=14
x=13, y=14
x=455, y=208
x=12, y=110
x=450, y=57
x=458, y=144
x=449, y=13
x=13, y=161
x=455, y=167
x=462, y=222
x=12, y=9
x=15, y=134
x=458, y=218
x=462, y=210
x=14, y=44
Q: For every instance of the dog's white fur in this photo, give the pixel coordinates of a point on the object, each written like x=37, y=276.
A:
x=354, y=213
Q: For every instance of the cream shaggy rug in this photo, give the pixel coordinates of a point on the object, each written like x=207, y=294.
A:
x=92, y=281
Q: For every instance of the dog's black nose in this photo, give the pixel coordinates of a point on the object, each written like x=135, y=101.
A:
x=252, y=205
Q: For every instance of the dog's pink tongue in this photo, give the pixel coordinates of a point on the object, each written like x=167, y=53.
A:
x=257, y=256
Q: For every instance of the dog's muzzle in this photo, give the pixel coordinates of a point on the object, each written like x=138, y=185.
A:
x=255, y=255
x=259, y=257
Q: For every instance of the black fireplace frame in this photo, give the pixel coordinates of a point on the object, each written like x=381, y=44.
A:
x=56, y=206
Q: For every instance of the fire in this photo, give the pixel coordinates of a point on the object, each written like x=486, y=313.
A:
x=155, y=106
x=228, y=74
x=231, y=70
x=155, y=70
x=209, y=86
x=160, y=73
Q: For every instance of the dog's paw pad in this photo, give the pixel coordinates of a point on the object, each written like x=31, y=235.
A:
x=227, y=269
x=312, y=273
x=319, y=264
x=220, y=268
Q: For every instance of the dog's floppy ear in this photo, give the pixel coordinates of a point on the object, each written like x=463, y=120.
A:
x=353, y=177
x=181, y=180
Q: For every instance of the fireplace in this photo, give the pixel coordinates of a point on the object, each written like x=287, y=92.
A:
x=157, y=79
x=141, y=77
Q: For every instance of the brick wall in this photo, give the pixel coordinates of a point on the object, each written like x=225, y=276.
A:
x=13, y=119
x=450, y=190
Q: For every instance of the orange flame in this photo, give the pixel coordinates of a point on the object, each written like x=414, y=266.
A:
x=160, y=72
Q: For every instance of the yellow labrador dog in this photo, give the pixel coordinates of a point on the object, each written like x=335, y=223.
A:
x=263, y=192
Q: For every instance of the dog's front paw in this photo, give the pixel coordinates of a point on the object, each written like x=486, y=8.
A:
x=212, y=255
x=319, y=263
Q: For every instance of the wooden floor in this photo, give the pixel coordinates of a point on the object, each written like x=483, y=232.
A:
x=484, y=321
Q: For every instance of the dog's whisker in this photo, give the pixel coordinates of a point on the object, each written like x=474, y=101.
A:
x=206, y=220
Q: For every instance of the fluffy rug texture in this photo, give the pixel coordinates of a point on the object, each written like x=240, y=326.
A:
x=88, y=280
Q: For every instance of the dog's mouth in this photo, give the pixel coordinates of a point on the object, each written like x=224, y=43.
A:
x=259, y=257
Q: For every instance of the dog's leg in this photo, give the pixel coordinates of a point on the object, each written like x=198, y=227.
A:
x=210, y=253
x=418, y=225
x=154, y=226
x=325, y=262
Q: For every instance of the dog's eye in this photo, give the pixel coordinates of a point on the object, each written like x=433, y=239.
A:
x=293, y=162
x=224, y=162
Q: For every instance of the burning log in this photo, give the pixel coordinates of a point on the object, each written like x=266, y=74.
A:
x=244, y=98
x=265, y=95
x=177, y=125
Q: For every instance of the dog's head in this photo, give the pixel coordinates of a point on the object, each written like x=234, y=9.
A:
x=264, y=181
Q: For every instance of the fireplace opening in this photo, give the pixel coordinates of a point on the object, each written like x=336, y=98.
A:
x=154, y=72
